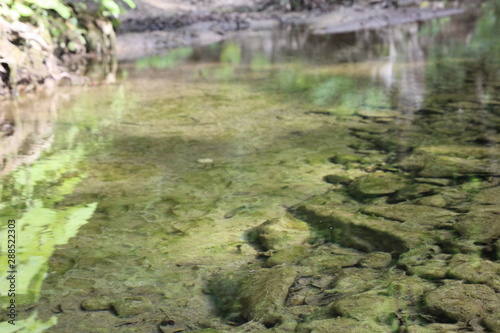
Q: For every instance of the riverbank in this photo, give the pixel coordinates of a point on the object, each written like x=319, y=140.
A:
x=44, y=48
x=46, y=51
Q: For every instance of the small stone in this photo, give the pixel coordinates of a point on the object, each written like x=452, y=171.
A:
x=433, y=201
x=96, y=304
x=297, y=300
x=131, y=306
x=376, y=260
x=376, y=184
x=281, y=233
x=205, y=160
x=337, y=179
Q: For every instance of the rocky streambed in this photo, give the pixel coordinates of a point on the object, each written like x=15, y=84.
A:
x=406, y=243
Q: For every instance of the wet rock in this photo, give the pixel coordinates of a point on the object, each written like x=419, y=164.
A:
x=463, y=302
x=430, y=111
x=434, y=201
x=254, y=295
x=489, y=196
x=375, y=307
x=264, y=292
x=376, y=184
x=369, y=128
x=60, y=264
x=475, y=270
x=336, y=223
x=443, y=166
x=130, y=306
x=434, y=328
x=427, y=262
x=170, y=326
x=434, y=181
x=337, y=179
x=374, y=113
x=409, y=288
x=481, y=224
x=343, y=158
x=330, y=262
x=412, y=192
x=376, y=260
x=356, y=280
x=287, y=256
x=341, y=325
x=96, y=303
x=492, y=322
x=412, y=213
x=280, y=233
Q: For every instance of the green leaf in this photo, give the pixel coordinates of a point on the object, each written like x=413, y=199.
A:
x=130, y=3
x=23, y=10
x=61, y=9
x=112, y=7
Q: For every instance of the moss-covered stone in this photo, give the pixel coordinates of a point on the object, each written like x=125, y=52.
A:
x=475, y=270
x=263, y=293
x=376, y=260
x=412, y=192
x=342, y=225
x=96, y=303
x=280, y=233
x=481, y=224
x=427, y=262
x=130, y=306
x=287, y=256
x=356, y=280
x=255, y=295
x=361, y=307
x=463, y=302
x=341, y=325
x=418, y=214
x=436, y=200
x=376, y=184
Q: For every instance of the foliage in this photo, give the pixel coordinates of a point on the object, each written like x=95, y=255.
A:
x=18, y=9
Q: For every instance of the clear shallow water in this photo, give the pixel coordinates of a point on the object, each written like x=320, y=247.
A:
x=121, y=204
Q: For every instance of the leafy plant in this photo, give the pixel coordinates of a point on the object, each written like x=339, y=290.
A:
x=16, y=9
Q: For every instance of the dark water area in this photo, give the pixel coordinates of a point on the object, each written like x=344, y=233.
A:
x=280, y=181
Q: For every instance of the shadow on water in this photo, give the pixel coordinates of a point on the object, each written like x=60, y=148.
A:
x=131, y=197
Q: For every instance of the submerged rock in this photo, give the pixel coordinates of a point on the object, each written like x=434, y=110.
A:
x=131, y=306
x=418, y=214
x=361, y=307
x=412, y=192
x=287, y=256
x=481, y=224
x=463, y=302
x=341, y=325
x=339, y=224
x=280, y=233
x=475, y=270
x=441, y=166
x=356, y=280
x=376, y=260
x=96, y=303
x=427, y=262
x=376, y=184
x=257, y=295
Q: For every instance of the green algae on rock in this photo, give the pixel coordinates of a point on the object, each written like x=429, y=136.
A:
x=280, y=233
x=463, y=302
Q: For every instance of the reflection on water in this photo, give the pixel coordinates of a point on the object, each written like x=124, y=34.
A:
x=175, y=164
